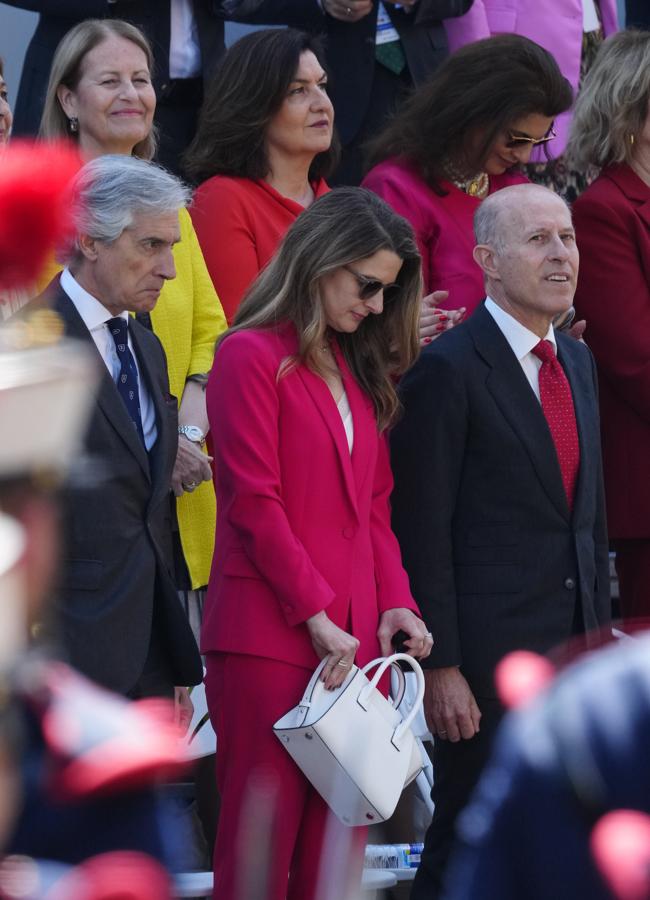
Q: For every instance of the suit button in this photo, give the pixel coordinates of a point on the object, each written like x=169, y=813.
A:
x=569, y=584
x=288, y=607
x=349, y=532
x=369, y=41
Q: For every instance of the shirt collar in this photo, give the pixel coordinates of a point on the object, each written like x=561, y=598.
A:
x=93, y=313
x=520, y=338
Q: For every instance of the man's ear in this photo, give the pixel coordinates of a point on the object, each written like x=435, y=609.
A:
x=485, y=257
x=88, y=246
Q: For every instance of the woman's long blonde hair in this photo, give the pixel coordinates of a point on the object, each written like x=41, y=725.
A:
x=339, y=229
x=66, y=70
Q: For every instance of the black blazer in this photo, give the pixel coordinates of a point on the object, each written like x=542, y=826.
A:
x=495, y=559
x=116, y=570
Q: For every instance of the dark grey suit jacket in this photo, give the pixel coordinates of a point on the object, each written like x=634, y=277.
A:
x=116, y=571
x=495, y=559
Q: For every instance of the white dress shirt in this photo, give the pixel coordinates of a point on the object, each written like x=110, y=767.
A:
x=521, y=342
x=184, y=50
x=95, y=316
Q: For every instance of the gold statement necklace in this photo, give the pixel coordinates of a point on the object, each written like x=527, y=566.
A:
x=475, y=186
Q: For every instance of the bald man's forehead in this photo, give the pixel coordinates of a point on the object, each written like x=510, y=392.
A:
x=523, y=215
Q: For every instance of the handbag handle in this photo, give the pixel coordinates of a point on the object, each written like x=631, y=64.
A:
x=382, y=664
x=315, y=684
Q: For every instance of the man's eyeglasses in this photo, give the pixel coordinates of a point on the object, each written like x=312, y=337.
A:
x=515, y=141
x=369, y=287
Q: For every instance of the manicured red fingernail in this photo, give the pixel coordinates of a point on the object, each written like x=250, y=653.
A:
x=441, y=327
x=427, y=340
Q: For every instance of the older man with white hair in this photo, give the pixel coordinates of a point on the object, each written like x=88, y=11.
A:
x=498, y=501
x=120, y=618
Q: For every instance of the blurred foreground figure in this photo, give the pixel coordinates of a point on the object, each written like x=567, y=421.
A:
x=78, y=766
x=560, y=812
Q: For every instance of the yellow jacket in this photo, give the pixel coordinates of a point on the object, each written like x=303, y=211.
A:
x=187, y=319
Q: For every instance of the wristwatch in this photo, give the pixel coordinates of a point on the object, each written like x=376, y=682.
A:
x=192, y=433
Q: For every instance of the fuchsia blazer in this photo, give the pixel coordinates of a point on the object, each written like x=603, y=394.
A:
x=554, y=24
x=443, y=226
x=303, y=525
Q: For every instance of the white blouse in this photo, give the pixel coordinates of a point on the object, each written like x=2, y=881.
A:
x=346, y=415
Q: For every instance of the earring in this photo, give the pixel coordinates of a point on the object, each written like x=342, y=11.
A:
x=73, y=122
x=631, y=140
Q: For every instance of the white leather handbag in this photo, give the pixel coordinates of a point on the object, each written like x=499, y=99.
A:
x=355, y=746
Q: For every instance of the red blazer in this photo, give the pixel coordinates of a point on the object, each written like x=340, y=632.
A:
x=444, y=227
x=239, y=224
x=303, y=525
x=612, y=220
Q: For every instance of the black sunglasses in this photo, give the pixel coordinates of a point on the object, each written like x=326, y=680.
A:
x=369, y=287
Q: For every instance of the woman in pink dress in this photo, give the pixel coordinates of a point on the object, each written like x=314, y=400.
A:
x=463, y=136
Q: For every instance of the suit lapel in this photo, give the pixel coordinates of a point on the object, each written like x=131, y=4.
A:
x=514, y=396
x=324, y=402
x=159, y=454
x=108, y=398
x=363, y=419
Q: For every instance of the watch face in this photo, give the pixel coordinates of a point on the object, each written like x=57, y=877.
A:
x=192, y=432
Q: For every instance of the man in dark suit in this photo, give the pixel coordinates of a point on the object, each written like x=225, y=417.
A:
x=498, y=500
x=121, y=621
x=187, y=38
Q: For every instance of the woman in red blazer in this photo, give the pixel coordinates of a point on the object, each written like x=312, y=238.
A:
x=261, y=151
x=305, y=565
x=611, y=129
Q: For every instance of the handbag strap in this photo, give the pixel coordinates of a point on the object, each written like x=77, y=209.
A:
x=382, y=664
x=316, y=685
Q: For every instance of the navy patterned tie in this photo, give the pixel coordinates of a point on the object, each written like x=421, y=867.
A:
x=127, y=379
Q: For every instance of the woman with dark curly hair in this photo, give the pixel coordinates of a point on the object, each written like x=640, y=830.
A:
x=461, y=137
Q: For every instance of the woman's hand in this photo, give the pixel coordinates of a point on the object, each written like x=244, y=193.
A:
x=337, y=645
x=420, y=641
x=434, y=321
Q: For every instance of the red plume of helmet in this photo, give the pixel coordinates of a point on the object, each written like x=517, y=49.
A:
x=520, y=676
x=620, y=843
x=34, y=207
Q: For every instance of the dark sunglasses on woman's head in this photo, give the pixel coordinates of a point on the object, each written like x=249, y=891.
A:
x=369, y=287
x=513, y=141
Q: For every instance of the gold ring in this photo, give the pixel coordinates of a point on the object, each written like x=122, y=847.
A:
x=343, y=665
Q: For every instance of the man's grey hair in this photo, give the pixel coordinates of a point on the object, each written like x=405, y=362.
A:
x=486, y=224
x=110, y=191
x=488, y=218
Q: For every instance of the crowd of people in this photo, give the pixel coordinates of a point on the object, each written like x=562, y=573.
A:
x=343, y=397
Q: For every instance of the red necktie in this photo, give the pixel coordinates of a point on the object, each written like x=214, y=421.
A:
x=557, y=403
